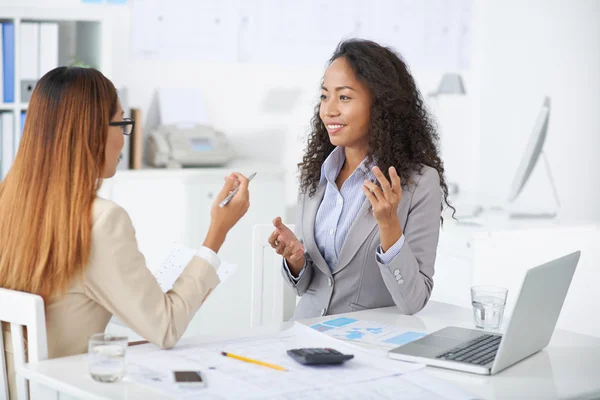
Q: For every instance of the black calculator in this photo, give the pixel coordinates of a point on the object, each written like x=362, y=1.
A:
x=319, y=356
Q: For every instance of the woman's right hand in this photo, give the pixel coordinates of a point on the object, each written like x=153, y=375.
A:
x=222, y=219
x=287, y=245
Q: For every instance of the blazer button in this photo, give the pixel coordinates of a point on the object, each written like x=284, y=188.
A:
x=396, y=272
x=330, y=282
x=323, y=311
x=400, y=281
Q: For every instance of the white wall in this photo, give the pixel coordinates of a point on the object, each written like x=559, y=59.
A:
x=522, y=51
x=530, y=49
x=235, y=93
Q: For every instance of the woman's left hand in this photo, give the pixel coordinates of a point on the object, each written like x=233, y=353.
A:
x=384, y=199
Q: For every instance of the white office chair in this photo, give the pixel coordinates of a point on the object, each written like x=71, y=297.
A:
x=22, y=309
x=272, y=299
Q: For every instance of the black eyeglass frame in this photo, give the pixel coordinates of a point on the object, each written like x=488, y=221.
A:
x=123, y=124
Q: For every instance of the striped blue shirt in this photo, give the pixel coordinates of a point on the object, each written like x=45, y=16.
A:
x=339, y=209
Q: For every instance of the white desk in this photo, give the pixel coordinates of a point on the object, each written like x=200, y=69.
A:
x=568, y=368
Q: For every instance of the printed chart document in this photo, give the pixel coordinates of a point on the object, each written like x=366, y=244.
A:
x=228, y=378
x=177, y=260
x=369, y=332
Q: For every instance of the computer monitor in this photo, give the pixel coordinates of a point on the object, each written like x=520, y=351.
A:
x=532, y=152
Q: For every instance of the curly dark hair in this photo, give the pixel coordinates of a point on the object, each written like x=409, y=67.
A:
x=402, y=134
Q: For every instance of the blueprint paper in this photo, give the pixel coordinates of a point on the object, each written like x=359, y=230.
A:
x=229, y=378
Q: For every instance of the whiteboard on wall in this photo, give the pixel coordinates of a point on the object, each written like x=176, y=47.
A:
x=432, y=34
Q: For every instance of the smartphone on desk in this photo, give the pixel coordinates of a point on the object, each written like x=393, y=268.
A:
x=190, y=379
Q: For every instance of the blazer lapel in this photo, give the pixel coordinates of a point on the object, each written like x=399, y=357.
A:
x=311, y=206
x=360, y=229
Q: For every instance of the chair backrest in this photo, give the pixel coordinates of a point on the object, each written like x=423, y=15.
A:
x=22, y=309
x=272, y=299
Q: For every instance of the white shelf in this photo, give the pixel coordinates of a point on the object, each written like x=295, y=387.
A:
x=83, y=34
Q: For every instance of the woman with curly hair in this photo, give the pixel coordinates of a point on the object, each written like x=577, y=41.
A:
x=371, y=191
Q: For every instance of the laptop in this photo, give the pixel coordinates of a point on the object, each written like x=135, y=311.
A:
x=529, y=330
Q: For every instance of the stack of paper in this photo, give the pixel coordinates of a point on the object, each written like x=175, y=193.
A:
x=176, y=261
x=366, y=376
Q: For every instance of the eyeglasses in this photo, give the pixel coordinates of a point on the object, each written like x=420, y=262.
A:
x=127, y=125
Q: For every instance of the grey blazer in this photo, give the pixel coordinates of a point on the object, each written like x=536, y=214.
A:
x=359, y=281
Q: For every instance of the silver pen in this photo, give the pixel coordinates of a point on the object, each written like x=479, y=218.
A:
x=233, y=192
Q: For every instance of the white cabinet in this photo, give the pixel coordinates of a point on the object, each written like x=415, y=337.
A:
x=174, y=205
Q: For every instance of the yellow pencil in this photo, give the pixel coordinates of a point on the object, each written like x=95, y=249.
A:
x=264, y=364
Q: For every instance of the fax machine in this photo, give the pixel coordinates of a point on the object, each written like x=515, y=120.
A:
x=177, y=146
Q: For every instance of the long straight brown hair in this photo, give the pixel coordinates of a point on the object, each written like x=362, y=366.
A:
x=46, y=199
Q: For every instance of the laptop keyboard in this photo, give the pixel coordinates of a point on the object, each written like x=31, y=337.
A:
x=480, y=350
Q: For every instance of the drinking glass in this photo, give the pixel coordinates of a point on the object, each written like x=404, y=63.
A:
x=488, y=306
x=106, y=357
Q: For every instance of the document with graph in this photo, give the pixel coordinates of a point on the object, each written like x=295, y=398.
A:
x=176, y=261
x=368, y=332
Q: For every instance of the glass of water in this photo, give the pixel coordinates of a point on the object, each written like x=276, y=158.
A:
x=488, y=306
x=106, y=357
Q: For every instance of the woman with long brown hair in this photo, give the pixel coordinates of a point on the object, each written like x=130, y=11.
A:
x=60, y=240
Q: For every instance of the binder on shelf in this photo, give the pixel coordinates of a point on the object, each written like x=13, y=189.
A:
x=29, y=51
x=48, y=56
x=6, y=120
x=29, y=58
x=1, y=149
x=23, y=115
x=135, y=142
x=1, y=67
x=8, y=61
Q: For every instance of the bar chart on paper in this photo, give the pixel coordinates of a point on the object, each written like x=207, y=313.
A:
x=368, y=332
